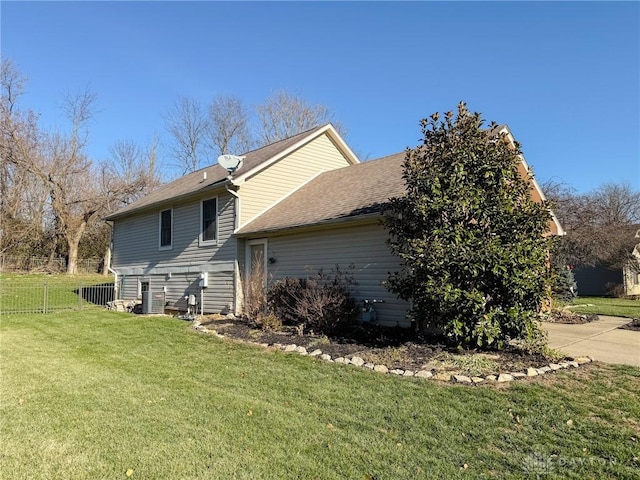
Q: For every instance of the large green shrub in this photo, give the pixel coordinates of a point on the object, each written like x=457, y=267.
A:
x=471, y=240
x=320, y=303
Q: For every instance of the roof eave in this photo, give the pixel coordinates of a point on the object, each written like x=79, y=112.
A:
x=559, y=230
x=167, y=201
x=333, y=222
x=328, y=129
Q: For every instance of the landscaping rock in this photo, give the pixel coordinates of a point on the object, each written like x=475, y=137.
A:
x=325, y=357
x=408, y=373
x=290, y=348
x=505, y=377
x=380, y=369
x=540, y=371
x=491, y=378
x=573, y=364
x=341, y=360
x=582, y=360
x=462, y=379
x=301, y=350
x=477, y=379
x=369, y=365
x=554, y=366
x=424, y=374
x=397, y=371
x=532, y=372
x=315, y=353
x=357, y=361
x=563, y=364
x=445, y=377
x=546, y=369
x=518, y=374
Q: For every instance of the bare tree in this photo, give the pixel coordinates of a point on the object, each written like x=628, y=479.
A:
x=600, y=224
x=187, y=124
x=228, y=126
x=51, y=192
x=284, y=115
x=616, y=204
x=130, y=173
x=22, y=200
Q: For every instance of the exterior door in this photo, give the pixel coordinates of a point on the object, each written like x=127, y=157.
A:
x=256, y=258
x=255, y=282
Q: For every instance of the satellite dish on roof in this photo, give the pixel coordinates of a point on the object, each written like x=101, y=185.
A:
x=230, y=162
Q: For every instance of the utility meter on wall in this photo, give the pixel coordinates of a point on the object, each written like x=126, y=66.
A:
x=204, y=279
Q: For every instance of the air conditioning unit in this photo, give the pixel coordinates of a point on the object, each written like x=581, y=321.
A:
x=153, y=302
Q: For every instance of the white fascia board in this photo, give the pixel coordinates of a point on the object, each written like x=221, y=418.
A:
x=352, y=158
x=505, y=129
x=280, y=200
x=328, y=128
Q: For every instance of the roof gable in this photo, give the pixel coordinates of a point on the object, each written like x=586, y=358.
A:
x=214, y=176
x=340, y=194
x=356, y=191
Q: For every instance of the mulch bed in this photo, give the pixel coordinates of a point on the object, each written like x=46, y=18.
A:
x=632, y=325
x=394, y=347
x=569, y=317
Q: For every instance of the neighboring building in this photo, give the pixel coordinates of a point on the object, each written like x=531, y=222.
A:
x=631, y=271
x=297, y=205
x=597, y=280
x=603, y=280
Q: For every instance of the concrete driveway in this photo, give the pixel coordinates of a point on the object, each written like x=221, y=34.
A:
x=602, y=340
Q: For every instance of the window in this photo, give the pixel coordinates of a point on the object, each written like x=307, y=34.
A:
x=166, y=227
x=143, y=286
x=209, y=222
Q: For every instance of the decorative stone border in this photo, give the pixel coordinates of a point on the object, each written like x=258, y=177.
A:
x=424, y=374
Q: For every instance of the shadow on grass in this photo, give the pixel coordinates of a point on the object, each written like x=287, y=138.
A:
x=99, y=294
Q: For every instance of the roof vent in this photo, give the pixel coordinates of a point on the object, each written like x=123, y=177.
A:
x=204, y=175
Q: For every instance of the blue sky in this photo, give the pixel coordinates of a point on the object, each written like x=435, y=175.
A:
x=564, y=76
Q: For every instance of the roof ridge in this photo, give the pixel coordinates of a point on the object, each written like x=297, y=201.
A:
x=305, y=132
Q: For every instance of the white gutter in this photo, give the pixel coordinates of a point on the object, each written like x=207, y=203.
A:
x=236, y=213
x=236, y=223
x=116, y=293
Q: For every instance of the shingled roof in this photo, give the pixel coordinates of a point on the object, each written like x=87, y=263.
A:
x=336, y=195
x=194, y=183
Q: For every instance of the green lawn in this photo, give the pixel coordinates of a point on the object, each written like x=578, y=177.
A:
x=96, y=394
x=618, y=307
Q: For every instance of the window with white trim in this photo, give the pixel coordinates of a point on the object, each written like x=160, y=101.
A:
x=209, y=221
x=166, y=229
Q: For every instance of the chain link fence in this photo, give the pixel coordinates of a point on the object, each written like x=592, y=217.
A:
x=28, y=295
x=17, y=264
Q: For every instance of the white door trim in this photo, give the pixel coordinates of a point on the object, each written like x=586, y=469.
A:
x=247, y=257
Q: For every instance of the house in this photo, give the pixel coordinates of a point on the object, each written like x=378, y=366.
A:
x=612, y=279
x=631, y=271
x=303, y=203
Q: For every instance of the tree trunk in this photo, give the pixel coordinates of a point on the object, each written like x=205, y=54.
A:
x=73, y=241
x=107, y=261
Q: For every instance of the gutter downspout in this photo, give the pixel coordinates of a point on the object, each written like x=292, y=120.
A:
x=116, y=289
x=236, y=212
x=236, y=223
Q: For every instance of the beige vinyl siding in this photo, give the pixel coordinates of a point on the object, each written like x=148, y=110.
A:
x=269, y=186
x=136, y=253
x=361, y=245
